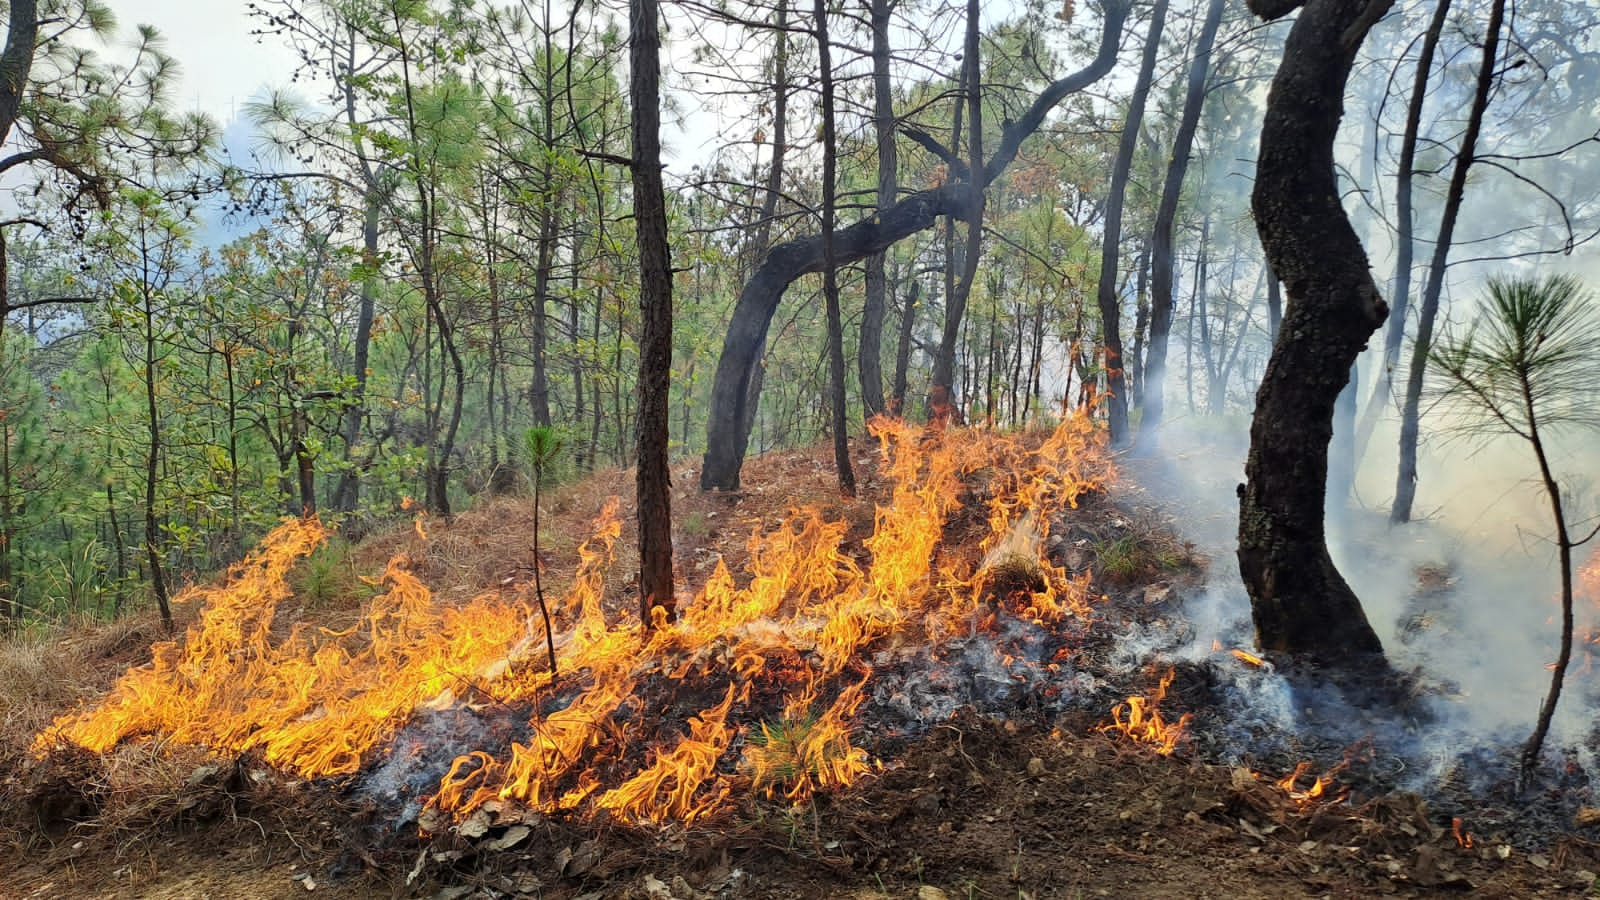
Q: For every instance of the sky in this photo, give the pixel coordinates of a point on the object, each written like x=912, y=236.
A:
x=221, y=64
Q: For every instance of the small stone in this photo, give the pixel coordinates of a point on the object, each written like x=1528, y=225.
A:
x=929, y=892
x=1036, y=768
x=1584, y=876
x=1539, y=862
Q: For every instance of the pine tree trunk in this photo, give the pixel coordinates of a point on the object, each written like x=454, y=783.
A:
x=1162, y=304
x=1301, y=604
x=869, y=354
x=1110, y=304
x=1405, y=489
x=830, y=284
x=653, y=480
x=1405, y=225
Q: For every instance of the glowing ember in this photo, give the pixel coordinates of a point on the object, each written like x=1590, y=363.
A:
x=1140, y=718
x=792, y=629
x=1248, y=658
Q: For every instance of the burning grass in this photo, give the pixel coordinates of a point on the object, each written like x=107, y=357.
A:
x=643, y=725
x=946, y=625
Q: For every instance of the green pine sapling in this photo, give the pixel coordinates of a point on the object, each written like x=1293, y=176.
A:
x=542, y=445
x=1528, y=367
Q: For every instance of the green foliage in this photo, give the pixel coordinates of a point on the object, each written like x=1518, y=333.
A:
x=328, y=576
x=1134, y=557
x=1527, y=362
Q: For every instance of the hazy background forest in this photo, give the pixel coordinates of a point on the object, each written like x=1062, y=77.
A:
x=361, y=290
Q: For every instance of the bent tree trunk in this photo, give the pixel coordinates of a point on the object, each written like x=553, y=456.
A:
x=758, y=301
x=1300, y=603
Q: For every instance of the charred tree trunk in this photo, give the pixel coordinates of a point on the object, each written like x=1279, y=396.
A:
x=758, y=301
x=1300, y=603
x=1405, y=488
x=1161, y=304
x=830, y=283
x=869, y=354
x=955, y=309
x=653, y=481
x=902, y=354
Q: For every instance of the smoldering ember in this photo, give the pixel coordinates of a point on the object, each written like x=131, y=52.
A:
x=1128, y=448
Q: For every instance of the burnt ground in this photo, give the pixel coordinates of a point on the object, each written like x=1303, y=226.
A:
x=1014, y=798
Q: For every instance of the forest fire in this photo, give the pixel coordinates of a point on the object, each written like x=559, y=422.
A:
x=756, y=687
x=1316, y=790
x=1139, y=718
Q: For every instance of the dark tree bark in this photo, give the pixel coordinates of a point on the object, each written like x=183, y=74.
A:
x=1274, y=308
x=955, y=303
x=1300, y=603
x=869, y=354
x=758, y=301
x=16, y=61
x=1141, y=327
x=1405, y=488
x=1405, y=225
x=347, y=493
x=654, y=480
x=830, y=283
x=902, y=354
x=539, y=387
x=1161, y=304
x=1106, y=295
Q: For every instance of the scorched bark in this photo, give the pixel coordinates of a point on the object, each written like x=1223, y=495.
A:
x=1301, y=605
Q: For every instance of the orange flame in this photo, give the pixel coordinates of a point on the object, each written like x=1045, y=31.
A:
x=1246, y=657
x=1140, y=719
x=1317, y=790
x=320, y=702
x=1463, y=838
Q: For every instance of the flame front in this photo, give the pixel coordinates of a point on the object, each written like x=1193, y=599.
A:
x=615, y=732
x=1139, y=718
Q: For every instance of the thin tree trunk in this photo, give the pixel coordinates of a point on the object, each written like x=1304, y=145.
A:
x=1141, y=326
x=762, y=239
x=1110, y=304
x=1405, y=225
x=653, y=481
x=1405, y=489
x=869, y=353
x=902, y=353
x=347, y=493
x=1162, y=305
x=1547, y=709
x=152, y=522
x=830, y=284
